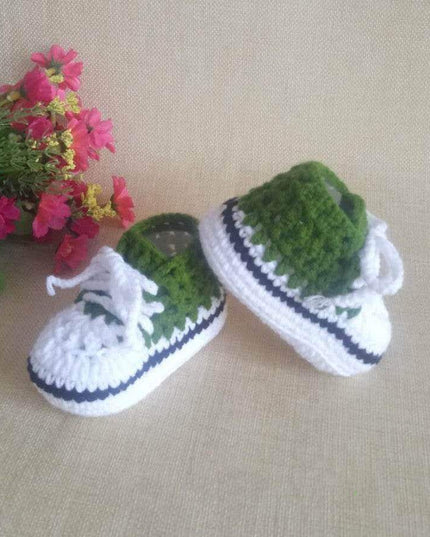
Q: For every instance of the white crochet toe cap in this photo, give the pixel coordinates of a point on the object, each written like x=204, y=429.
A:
x=371, y=328
x=82, y=353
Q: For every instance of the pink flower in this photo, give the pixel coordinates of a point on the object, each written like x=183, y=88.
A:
x=49, y=237
x=39, y=127
x=71, y=73
x=62, y=62
x=75, y=190
x=80, y=144
x=8, y=214
x=122, y=202
x=71, y=252
x=85, y=226
x=7, y=88
x=33, y=88
x=52, y=212
x=36, y=87
x=99, y=132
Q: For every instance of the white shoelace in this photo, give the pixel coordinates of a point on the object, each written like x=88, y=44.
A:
x=371, y=282
x=108, y=272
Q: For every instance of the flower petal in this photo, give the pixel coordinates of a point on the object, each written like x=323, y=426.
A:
x=39, y=58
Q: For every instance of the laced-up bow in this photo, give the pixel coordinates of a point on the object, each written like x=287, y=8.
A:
x=121, y=286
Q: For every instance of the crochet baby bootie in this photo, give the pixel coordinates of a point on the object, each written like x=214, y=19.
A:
x=304, y=255
x=142, y=312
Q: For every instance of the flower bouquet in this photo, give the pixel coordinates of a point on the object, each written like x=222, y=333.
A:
x=47, y=139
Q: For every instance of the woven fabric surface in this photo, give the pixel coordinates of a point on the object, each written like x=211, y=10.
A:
x=208, y=100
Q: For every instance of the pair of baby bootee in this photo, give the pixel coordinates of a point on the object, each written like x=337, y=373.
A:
x=300, y=251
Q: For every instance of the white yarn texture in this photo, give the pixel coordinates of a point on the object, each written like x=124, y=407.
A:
x=370, y=329
x=81, y=353
x=109, y=273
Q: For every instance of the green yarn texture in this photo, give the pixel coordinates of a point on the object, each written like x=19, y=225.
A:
x=185, y=280
x=311, y=225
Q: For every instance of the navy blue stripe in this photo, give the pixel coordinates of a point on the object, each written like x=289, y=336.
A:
x=262, y=278
x=155, y=359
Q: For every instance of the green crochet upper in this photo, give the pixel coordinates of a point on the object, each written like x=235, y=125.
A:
x=185, y=280
x=311, y=225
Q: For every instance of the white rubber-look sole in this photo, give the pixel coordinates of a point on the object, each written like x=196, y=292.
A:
x=315, y=344
x=144, y=385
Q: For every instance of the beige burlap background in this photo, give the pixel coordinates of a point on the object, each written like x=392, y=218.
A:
x=209, y=98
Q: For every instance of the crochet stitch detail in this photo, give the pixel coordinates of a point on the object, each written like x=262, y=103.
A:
x=185, y=280
x=311, y=225
x=352, y=346
x=154, y=359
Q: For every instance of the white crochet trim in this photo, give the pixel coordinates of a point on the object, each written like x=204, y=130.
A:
x=153, y=377
x=370, y=329
x=368, y=284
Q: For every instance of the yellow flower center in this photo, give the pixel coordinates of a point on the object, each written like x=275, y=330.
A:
x=69, y=156
x=73, y=103
x=56, y=79
x=89, y=200
x=67, y=138
x=56, y=106
x=51, y=141
x=13, y=96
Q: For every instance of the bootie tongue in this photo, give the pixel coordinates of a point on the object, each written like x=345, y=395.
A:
x=166, y=248
x=151, y=243
x=311, y=225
